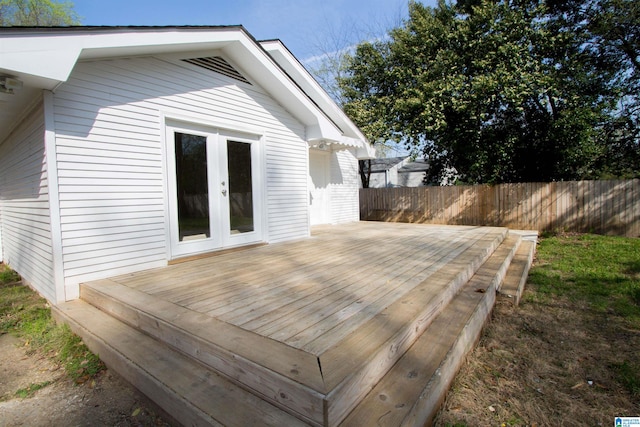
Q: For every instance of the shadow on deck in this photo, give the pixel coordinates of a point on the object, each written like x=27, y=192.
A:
x=361, y=324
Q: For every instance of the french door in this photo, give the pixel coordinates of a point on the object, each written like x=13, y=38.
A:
x=214, y=189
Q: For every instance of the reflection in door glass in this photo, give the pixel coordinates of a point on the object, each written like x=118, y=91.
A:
x=240, y=187
x=193, y=190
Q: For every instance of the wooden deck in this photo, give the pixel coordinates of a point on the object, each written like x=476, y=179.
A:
x=311, y=294
x=309, y=326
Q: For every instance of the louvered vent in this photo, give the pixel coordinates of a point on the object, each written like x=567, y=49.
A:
x=219, y=65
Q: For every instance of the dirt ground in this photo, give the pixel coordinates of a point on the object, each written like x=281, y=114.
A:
x=105, y=401
x=545, y=364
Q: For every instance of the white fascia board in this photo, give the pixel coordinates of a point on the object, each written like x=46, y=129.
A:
x=49, y=57
x=157, y=41
x=283, y=87
x=300, y=74
x=52, y=55
x=46, y=68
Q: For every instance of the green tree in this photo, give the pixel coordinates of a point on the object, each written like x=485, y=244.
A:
x=614, y=26
x=499, y=91
x=329, y=68
x=44, y=13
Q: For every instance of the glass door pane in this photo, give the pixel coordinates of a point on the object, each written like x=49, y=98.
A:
x=240, y=187
x=192, y=187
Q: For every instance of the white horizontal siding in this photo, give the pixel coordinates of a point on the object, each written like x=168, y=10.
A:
x=108, y=123
x=411, y=179
x=24, y=204
x=344, y=186
x=288, y=199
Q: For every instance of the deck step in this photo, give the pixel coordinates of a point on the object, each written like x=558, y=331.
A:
x=411, y=393
x=317, y=399
x=414, y=313
x=193, y=394
x=205, y=371
x=248, y=359
x=517, y=275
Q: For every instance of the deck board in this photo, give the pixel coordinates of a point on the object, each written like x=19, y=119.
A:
x=312, y=293
x=352, y=278
x=293, y=288
x=264, y=279
x=324, y=293
x=454, y=249
x=396, y=277
x=317, y=320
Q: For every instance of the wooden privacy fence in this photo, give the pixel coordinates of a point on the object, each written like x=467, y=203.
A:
x=605, y=207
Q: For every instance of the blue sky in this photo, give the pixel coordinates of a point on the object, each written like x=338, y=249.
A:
x=306, y=27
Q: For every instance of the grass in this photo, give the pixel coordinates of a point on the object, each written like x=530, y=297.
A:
x=23, y=393
x=599, y=271
x=569, y=351
x=8, y=276
x=628, y=375
x=28, y=316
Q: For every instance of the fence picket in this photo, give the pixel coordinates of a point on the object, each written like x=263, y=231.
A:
x=608, y=207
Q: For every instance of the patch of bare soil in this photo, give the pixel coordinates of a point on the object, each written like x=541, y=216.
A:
x=543, y=364
x=104, y=401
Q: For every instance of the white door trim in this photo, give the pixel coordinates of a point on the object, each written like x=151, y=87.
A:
x=319, y=213
x=217, y=172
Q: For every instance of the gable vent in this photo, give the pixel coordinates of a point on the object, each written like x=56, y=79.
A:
x=219, y=65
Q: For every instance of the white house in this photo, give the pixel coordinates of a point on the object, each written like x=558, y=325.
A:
x=122, y=148
x=384, y=171
x=413, y=173
x=397, y=172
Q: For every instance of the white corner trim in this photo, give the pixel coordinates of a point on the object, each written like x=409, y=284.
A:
x=61, y=293
x=309, y=184
x=264, y=190
x=165, y=183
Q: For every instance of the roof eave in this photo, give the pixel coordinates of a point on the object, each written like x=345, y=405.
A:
x=300, y=74
x=25, y=50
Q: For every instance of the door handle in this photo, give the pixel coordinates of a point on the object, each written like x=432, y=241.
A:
x=224, y=192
